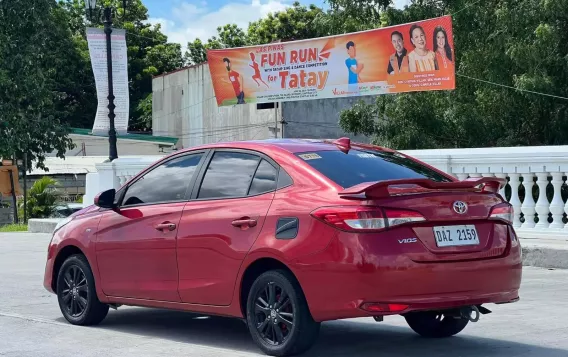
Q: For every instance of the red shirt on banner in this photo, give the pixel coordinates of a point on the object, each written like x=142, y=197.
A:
x=234, y=78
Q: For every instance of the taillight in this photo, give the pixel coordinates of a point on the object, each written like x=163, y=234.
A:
x=356, y=218
x=502, y=212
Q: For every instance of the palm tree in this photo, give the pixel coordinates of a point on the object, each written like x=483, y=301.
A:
x=42, y=198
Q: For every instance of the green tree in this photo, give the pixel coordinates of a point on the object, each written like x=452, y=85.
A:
x=31, y=37
x=517, y=44
x=297, y=22
x=228, y=36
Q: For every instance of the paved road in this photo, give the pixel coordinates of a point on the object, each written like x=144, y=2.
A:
x=31, y=324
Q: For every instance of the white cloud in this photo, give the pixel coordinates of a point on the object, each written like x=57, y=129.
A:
x=189, y=21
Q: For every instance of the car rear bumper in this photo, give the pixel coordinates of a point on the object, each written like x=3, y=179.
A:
x=352, y=272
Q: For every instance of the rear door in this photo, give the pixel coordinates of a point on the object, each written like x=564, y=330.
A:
x=220, y=224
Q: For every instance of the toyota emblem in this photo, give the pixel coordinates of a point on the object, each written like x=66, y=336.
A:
x=460, y=207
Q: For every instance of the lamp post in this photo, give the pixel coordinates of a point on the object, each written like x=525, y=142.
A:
x=107, y=13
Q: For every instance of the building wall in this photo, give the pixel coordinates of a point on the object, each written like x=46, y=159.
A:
x=318, y=119
x=68, y=184
x=184, y=106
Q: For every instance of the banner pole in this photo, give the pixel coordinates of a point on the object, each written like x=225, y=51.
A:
x=276, y=120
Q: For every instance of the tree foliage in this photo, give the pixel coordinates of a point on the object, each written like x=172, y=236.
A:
x=517, y=44
x=33, y=40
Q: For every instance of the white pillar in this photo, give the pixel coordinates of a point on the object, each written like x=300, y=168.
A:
x=542, y=206
x=557, y=205
x=462, y=176
x=107, y=176
x=515, y=201
x=566, y=206
x=92, y=188
x=502, y=191
x=528, y=206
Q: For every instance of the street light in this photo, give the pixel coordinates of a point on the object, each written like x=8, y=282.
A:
x=107, y=13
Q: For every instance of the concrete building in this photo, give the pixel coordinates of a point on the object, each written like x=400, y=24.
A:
x=184, y=106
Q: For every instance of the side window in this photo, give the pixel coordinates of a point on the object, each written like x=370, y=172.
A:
x=167, y=182
x=229, y=175
x=264, y=179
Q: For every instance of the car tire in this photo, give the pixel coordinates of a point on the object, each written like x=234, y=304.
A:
x=278, y=316
x=77, y=295
x=434, y=324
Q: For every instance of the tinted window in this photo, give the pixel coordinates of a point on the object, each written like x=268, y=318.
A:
x=167, y=182
x=360, y=166
x=229, y=175
x=264, y=179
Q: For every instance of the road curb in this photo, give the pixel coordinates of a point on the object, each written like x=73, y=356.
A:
x=545, y=257
x=45, y=225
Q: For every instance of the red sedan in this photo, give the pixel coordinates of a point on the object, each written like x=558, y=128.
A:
x=286, y=234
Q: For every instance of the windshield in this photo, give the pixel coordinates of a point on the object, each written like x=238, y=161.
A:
x=360, y=166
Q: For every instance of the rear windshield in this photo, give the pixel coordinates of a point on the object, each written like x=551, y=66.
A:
x=360, y=166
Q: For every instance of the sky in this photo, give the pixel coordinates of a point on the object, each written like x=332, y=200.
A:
x=185, y=20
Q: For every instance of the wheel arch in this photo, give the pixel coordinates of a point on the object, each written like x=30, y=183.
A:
x=62, y=255
x=253, y=271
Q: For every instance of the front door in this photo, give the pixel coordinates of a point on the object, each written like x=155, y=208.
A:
x=221, y=223
x=136, y=243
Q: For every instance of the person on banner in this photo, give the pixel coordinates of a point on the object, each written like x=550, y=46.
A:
x=421, y=59
x=236, y=80
x=354, y=68
x=442, y=49
x=398, y=61
x=257, y=76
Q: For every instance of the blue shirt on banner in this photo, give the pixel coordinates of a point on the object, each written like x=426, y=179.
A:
x=351, y=64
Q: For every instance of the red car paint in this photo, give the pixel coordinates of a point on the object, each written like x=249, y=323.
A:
x=199, y=265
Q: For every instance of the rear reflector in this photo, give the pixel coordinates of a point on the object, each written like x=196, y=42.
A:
x=357, y=218
x=378, y=307
x=502, y=212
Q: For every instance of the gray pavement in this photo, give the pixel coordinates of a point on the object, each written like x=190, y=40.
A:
x=31, y=324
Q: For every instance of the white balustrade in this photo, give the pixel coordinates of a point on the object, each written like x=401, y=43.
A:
x=528, y=206
x=542, y=206
x=546, y=163
x=515, y=201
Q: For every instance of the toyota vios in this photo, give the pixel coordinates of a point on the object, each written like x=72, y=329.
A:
x=286, y=234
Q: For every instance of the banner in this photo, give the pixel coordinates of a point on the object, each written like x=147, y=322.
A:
x=404, y=58
x=96, y=39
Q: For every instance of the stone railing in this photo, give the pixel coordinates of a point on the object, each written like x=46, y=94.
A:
x=528, y=169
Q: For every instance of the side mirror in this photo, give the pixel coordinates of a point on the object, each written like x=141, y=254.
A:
x=106, y=199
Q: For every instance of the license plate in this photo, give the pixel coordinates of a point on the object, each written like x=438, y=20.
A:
x=452, y=236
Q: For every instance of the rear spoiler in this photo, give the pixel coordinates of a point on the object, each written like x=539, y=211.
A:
x=380, y=189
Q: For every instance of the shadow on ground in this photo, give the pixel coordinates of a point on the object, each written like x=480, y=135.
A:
x=339, y=338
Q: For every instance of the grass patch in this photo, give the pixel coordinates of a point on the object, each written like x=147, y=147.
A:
x=20, y=227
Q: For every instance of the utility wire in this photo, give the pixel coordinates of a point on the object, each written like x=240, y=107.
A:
x=514, y=88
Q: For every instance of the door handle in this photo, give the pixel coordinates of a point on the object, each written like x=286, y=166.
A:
x=165, y=226
x=244, y=222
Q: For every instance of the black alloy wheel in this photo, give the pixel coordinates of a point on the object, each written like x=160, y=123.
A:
x=274, y=314
x=76, y=293
x=278, y=315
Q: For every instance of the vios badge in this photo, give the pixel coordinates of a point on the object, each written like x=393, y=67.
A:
x=460, y=207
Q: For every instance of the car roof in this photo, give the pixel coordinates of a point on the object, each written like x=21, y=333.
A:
x=291, y=145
